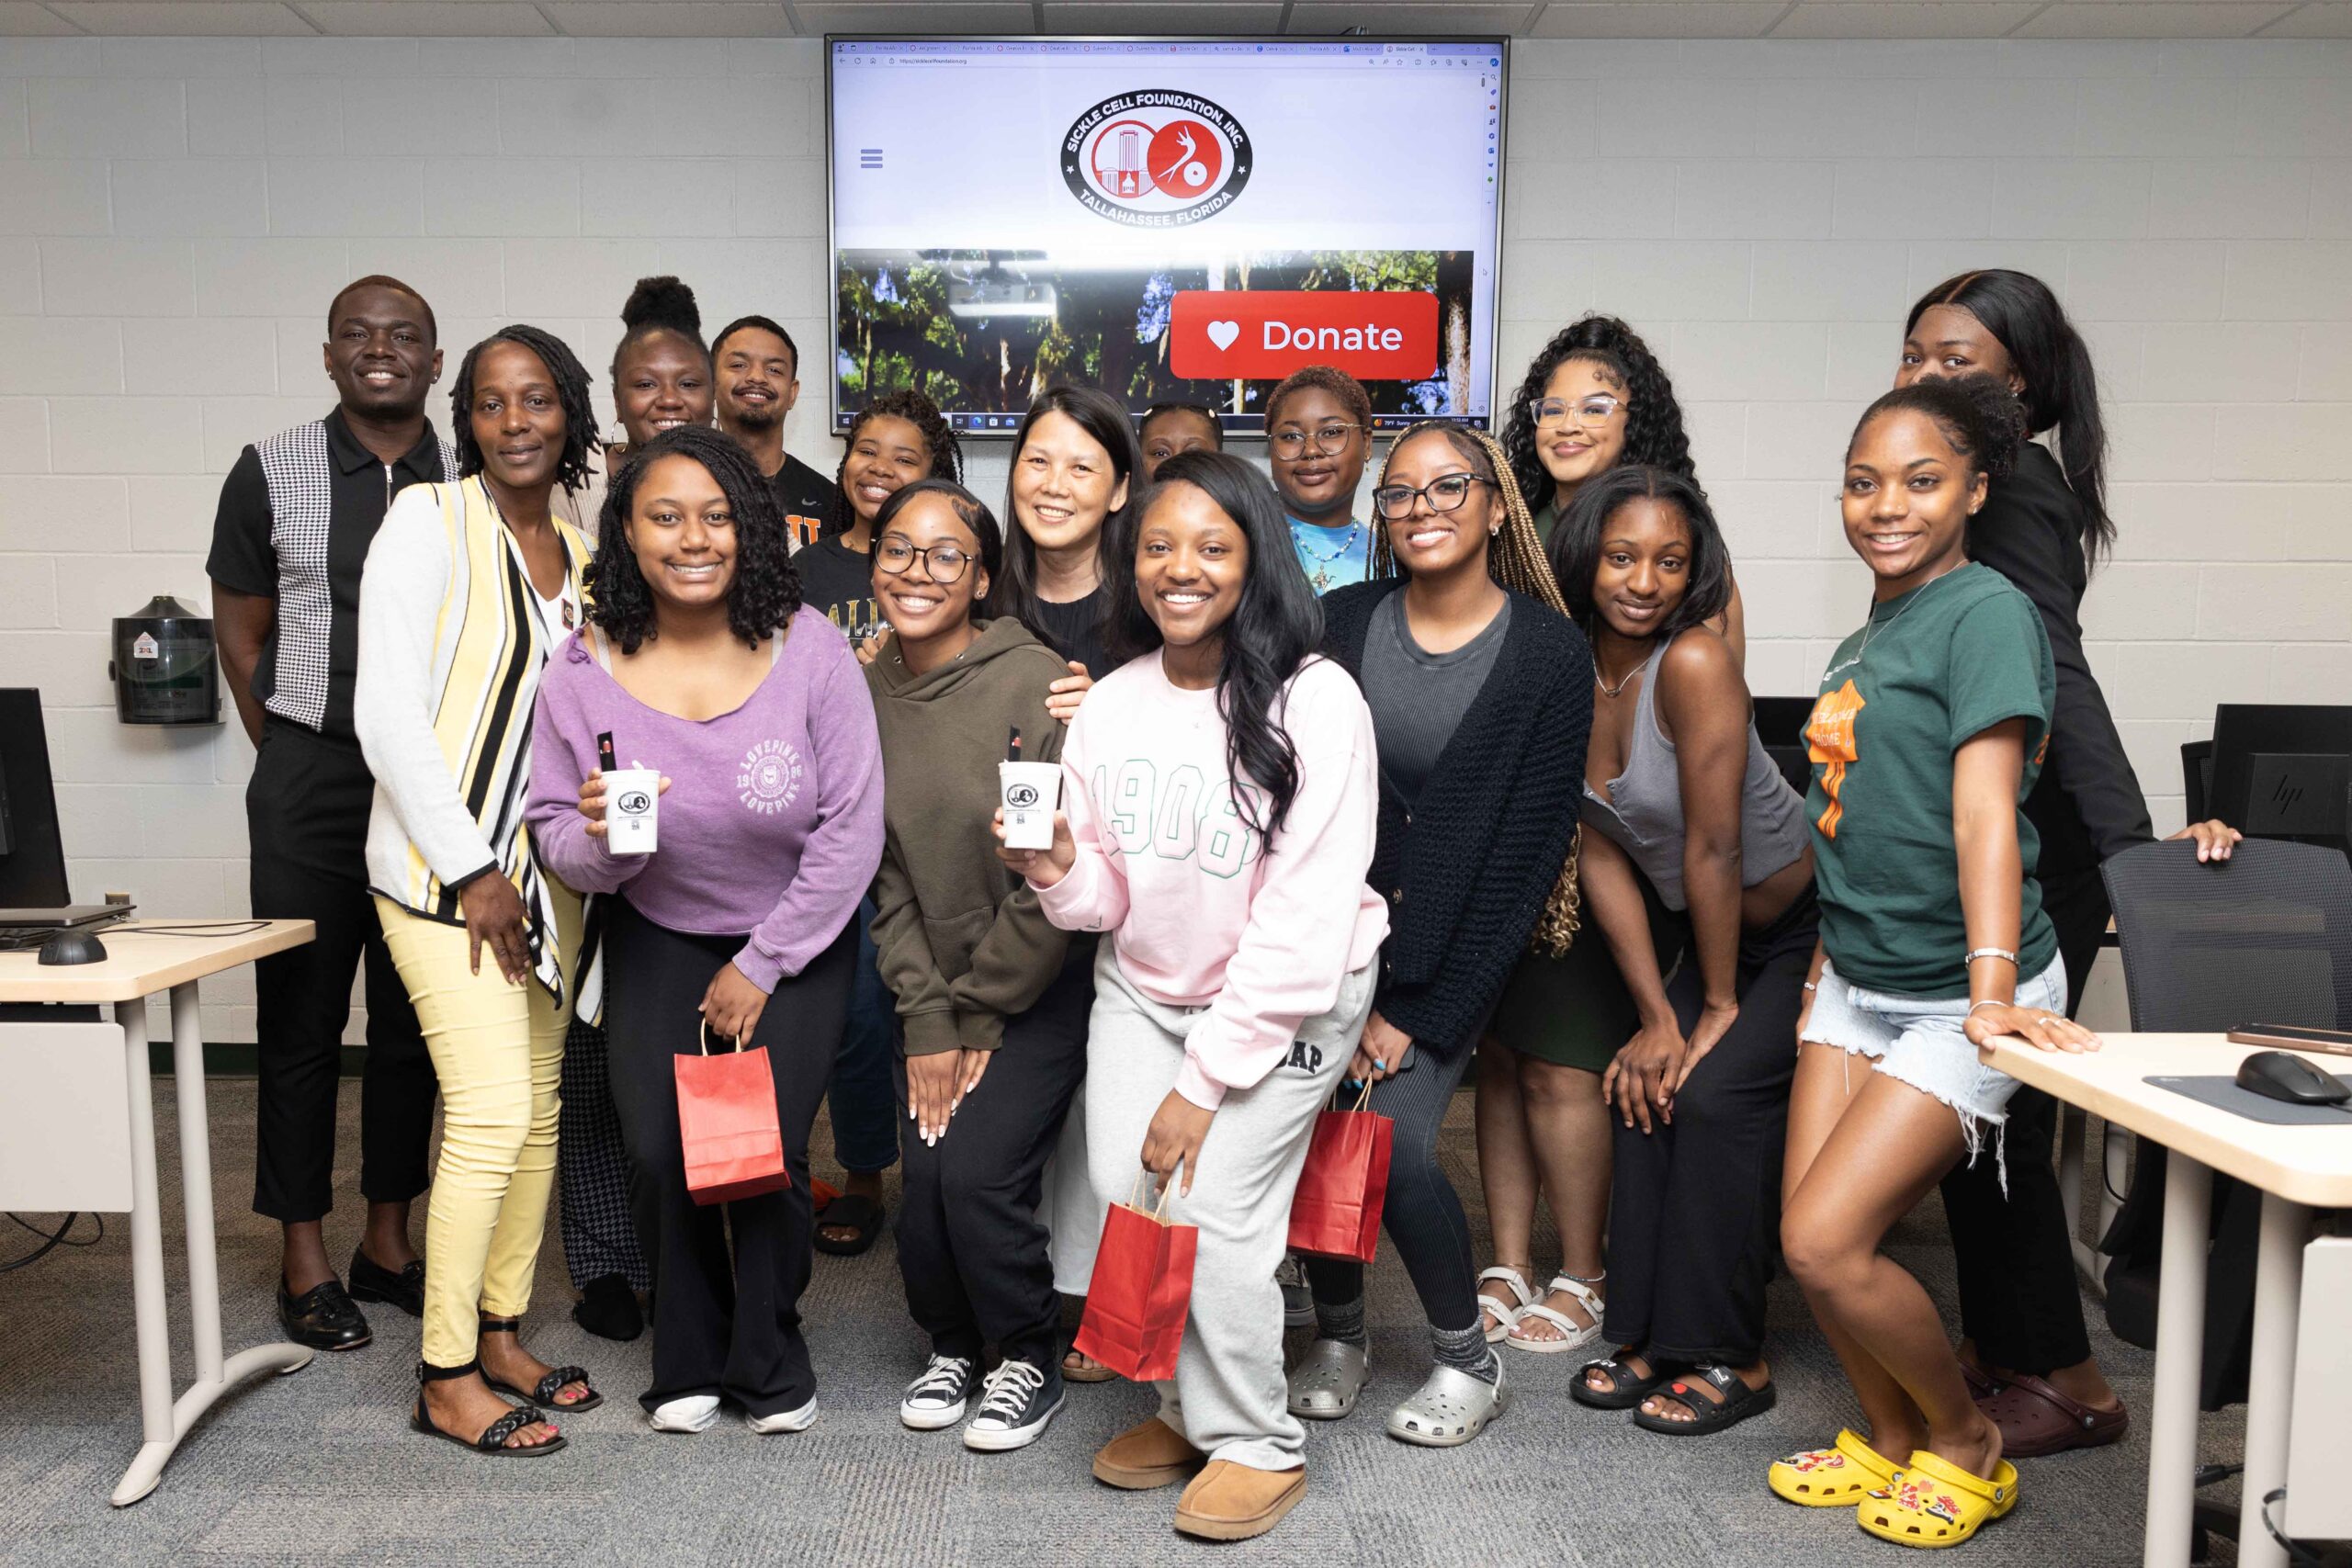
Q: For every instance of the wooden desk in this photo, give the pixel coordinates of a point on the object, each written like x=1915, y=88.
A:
x=2297, y=1169
x=139, y=965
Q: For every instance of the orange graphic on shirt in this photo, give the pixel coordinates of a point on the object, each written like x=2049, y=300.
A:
x=1829, y=738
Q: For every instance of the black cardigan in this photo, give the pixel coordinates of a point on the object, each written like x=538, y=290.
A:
x=2086, y=806
x=1468, y=870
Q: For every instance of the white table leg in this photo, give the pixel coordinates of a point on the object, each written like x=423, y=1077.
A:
x=2270, y=1378
x=2180, y=1346
x=196, y=1182
x=153, y=1329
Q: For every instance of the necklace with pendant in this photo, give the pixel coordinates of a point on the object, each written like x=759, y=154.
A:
x=1320, y=578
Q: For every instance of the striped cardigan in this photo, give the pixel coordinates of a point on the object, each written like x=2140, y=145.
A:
x=450, y=649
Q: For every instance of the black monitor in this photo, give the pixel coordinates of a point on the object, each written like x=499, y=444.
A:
x=1779, y=723
x=32, y=854
x=2282, y=771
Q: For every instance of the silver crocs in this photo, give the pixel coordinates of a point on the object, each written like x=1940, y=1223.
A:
x=1329, y=1377
x=1449, y=1410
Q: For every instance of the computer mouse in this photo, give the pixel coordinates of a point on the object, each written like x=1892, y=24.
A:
x=2282, y=1075
x=74, y=947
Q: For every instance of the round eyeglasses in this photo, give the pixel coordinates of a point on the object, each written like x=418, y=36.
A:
x=942, y=563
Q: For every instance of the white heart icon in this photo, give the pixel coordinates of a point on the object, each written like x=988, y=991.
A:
x=1222, y=334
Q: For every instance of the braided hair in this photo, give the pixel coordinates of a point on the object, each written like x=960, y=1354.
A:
x=571, y=378
x=766, y=591
x=1654, y=433
x=1515, y=561
x=938, y=442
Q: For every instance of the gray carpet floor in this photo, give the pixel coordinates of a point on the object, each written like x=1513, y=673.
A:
x=319, y=1467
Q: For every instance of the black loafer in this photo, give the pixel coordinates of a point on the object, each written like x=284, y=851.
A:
x=324, y=1318
x=371, y=1281
x=607, y=1308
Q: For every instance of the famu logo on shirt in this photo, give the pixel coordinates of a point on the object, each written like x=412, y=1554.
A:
x=1184, y=815
x=1829, y=738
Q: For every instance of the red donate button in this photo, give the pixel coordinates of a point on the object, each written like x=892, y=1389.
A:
x=1216, y=334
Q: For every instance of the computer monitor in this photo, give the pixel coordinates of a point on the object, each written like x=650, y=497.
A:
x=32, y=854
x=1779, y=723
x=2282, y=771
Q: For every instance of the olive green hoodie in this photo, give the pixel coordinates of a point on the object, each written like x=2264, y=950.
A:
x=963, y=943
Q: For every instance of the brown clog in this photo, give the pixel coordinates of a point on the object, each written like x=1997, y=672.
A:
x=2037, y=1420
x=1234, y=1502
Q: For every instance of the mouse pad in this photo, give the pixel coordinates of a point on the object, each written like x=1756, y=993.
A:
x=2225, y=1094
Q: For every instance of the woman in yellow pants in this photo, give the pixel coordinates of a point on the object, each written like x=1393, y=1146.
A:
x=469, y=588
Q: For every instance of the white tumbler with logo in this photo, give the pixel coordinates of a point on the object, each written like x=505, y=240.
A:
x=633, y=804
x=1029, y=792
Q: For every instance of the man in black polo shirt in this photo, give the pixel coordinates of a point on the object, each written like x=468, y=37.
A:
x=297, y=515
x=758, y=377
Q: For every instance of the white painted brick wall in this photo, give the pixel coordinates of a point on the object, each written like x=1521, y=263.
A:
x=176, y=212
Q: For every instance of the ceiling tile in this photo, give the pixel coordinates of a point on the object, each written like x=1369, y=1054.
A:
x=22, y=18
x=1685, y=19
x=1906, y=19
x=174, y=18
x=668, y=18
x=2321, y=20
x=2155, y=18
x=1393, y=17
x=426, y=18
x=904, y=17
x=1185, y=20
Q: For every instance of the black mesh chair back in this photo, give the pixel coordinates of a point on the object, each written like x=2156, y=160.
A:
x=2263, y=937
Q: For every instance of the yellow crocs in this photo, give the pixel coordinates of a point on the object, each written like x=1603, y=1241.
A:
x=1829, y=1478
x=1936, y=1502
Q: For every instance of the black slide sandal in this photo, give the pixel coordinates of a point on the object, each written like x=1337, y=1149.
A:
x=1624, y=1392
x=492, y=1442
x=548, y=1386
x=1707, y=1417
x=855, y=1213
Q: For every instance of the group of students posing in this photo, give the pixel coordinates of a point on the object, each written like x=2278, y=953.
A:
x=1346, y=802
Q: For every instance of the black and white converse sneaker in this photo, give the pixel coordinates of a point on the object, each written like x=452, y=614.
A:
x=937, y=1398
x=1017, y=1400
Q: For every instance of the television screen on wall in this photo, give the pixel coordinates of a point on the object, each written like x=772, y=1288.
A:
x=1173, y=220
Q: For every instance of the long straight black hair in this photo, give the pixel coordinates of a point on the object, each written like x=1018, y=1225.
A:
x=1015, y=591
x=1275, y=629
x=2061, y=387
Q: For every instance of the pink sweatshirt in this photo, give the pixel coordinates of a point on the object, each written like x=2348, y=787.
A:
x=1200, y=912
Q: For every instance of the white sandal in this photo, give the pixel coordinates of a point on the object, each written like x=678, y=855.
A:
x=1506, y=1315
x=1573, y=1336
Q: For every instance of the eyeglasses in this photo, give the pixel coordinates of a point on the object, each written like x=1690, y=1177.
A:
x=1327, y=439
x=1446, y=494
x=943, y=563
x=1587, y=412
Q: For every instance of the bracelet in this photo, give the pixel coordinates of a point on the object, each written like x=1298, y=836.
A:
x=1977, y=953
x=1988, y=1002
x=1811, y=987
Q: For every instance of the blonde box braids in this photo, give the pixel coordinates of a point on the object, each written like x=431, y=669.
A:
x=1516, y=560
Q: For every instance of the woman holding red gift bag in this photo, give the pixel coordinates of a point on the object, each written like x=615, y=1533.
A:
x=1220, y=807
x=700, y=661
x=1480, y=692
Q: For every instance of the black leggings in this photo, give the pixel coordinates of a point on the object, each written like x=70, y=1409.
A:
x=1693, y=1203
x=2019, y=1297
x=721, y=1326
x=1422, y=1214
x=971, y=1250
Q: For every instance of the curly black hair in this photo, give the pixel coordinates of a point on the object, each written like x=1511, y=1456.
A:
x=1980, y=418
x=1654, y=433
x=938, y=440
x=766, y=591
x=571, y=384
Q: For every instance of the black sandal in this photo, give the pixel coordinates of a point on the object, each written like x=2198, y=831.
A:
x=1738, y=1403
x=545, y=1391
x=493, y=1441
x=1625, y=1391
x=852, y=1211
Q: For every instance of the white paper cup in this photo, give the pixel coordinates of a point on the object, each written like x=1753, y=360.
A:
x=632, y=805
x=1029, y=792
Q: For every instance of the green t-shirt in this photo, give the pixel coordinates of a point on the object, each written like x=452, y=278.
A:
x=1546, y=517
x=1967, y=652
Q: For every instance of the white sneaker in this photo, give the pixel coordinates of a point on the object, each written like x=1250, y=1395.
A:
x=694, y=1413
x=798, y=1420
x=936, y=1399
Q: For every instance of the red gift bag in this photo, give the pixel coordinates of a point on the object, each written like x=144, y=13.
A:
x=726, y=1121
x=1336, y=1211
x=1142, y=1291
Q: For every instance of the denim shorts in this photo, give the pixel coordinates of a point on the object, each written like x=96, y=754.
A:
x=1918, y=1040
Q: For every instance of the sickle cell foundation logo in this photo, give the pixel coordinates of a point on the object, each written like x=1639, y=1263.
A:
x=1156, y=159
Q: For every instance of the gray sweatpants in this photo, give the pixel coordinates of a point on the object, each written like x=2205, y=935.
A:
x=1228, y=1394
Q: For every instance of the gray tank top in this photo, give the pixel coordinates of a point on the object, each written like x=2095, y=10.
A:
x=1643, y=812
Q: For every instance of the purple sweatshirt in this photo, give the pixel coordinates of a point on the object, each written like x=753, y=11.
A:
x=773, y=824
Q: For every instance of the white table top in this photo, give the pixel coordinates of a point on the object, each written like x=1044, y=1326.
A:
x=2304, y=1165
x=140, y=964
